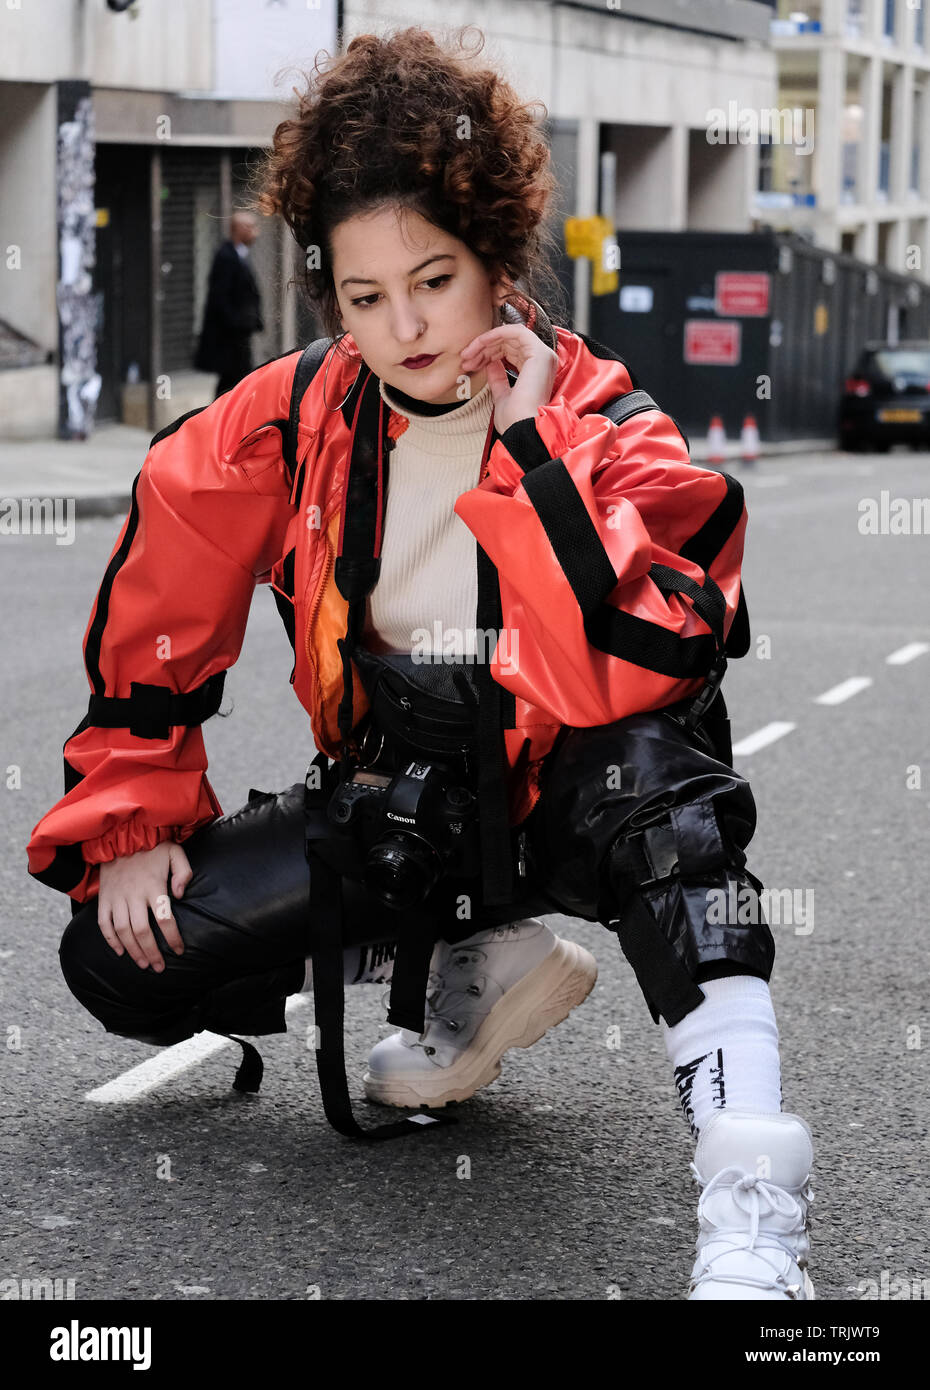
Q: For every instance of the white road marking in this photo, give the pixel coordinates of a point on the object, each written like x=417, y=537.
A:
x=169, y=1062
x=904, y=654
x=844, y=691
x=762, y=737
x=837, y=470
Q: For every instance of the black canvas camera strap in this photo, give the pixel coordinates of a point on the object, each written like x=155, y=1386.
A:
x=328, y=986
x=356, y=572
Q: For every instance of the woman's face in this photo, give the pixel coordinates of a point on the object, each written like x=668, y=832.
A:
x=405, y=288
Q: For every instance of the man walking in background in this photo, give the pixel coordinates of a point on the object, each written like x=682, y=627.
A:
x=233, y=309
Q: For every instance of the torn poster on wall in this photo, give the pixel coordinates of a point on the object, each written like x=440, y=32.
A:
x=77, y=305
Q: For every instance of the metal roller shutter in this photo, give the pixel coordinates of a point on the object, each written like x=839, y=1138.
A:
x=190, y=211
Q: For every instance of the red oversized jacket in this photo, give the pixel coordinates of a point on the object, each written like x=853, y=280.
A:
x=214, y=513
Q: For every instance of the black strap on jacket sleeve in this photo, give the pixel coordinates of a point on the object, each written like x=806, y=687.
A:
x=587, y=567
x=706, y=544
x=707, y=598
x=526, y=446
x=151, y=710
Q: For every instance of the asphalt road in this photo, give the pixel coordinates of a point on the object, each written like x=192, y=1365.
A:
x=579, y=1185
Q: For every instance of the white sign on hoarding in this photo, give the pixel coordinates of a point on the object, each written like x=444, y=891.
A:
x=636, y=299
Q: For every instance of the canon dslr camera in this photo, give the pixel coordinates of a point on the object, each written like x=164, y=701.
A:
x=415, y=827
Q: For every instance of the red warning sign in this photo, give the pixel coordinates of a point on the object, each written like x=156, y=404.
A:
x=743, y=294
x=712, y=343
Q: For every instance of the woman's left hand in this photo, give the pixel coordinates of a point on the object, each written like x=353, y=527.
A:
x=535, y=364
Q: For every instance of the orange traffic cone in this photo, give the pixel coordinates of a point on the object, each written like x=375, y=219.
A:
x=749, y=439
x=716, y=440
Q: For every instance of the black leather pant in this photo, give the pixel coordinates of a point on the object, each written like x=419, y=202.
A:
x=636, y=821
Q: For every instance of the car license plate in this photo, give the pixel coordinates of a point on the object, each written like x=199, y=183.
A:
x=900, y=417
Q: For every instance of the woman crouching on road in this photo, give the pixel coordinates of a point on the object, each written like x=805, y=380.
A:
x=505, y=495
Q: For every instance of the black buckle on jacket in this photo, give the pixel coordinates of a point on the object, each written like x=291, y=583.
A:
x=152, y=710
x=706, y=695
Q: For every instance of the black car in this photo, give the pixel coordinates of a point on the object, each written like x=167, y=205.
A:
x=886, y=398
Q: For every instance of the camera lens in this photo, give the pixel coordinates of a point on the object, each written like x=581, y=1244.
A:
x=401, y=870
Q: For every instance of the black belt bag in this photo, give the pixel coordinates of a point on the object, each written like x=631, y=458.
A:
x=418, y=710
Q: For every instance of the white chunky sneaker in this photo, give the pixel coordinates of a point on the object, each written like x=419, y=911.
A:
x=501, y=988
x=754, y=1208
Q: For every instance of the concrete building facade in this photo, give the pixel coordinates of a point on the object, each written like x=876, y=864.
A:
x=860, y=70
x=166, y=107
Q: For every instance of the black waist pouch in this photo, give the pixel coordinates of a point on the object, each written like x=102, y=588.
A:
x=422, y=710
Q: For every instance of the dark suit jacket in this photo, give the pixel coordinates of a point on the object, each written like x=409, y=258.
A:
x=232, y=314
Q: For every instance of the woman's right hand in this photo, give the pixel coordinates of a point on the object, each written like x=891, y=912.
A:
x=129, y=886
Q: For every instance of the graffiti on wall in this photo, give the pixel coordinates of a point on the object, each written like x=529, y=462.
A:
x=77, y=303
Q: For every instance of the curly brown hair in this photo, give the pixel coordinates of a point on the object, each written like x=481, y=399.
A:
x=402, y=120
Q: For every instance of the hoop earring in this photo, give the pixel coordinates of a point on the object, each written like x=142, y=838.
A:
x=336, y=342
x=541, y=322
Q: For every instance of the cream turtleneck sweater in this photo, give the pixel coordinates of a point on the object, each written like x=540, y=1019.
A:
x=428, y=583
